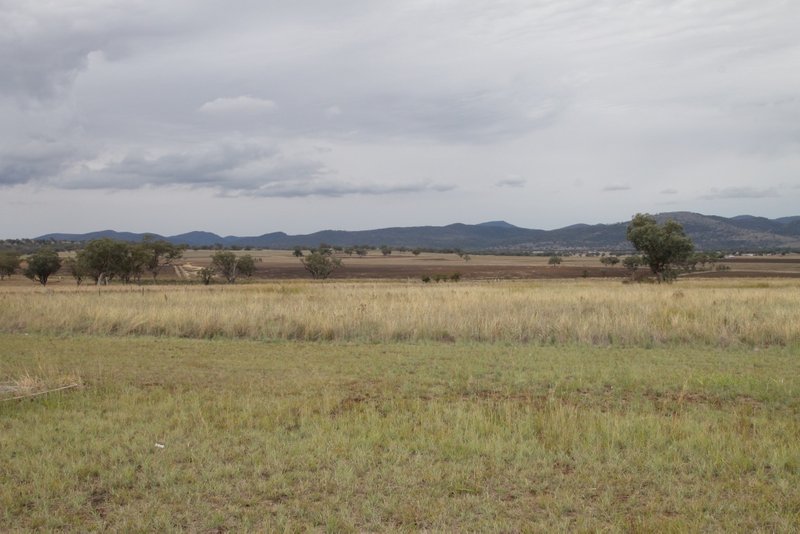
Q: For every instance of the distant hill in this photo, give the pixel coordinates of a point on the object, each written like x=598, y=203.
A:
x=709, y=232
x=497, y=224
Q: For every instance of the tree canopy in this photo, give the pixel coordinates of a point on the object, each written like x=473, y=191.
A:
x=159, y=253
x=103, y=259
x=42, y=264
x=663, y=247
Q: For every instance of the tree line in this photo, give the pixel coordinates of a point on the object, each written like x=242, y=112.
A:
x=665, y=249
x=101, y=260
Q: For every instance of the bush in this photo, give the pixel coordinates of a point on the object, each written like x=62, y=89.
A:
x=321, y=264
x=206, y=274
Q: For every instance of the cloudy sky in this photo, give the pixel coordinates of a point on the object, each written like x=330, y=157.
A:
x=248, y=117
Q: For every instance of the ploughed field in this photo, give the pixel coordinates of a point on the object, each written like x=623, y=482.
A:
x=404, y=265
x=282, y=265
x=545, y=405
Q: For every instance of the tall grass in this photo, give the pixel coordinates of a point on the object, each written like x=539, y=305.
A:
x=714, y=313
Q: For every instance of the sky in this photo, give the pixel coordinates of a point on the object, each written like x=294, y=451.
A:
x=247, y=117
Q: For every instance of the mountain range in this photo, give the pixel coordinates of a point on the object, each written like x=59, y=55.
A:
x=709, y=232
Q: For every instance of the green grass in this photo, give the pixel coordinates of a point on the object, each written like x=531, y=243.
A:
x=437, y=436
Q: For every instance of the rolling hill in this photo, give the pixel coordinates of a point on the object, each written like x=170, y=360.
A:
x=709, y=232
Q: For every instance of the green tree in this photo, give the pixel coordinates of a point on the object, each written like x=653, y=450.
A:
x=298, y=252
x=77, y=269
x=160, y=253
x=320, y=264
x=663, y=247
x=554, y=260
x=42, y=264
x=104, y=259
x=133, y=263
x=386, y=250
x=225, y=264
x=609, y=260
x=246, y=265
x=9, y=263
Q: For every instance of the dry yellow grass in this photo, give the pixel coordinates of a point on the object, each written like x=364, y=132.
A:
x=32, y=382
x=717, y=313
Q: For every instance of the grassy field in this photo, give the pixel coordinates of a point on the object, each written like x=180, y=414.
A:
x=715, y=313
x=375, y=406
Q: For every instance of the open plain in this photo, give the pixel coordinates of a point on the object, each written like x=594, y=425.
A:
x=394, y=405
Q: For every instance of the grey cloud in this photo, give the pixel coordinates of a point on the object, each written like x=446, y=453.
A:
x=227, y=166
x=44, y=46
x=232, y=169
x=616, y=187
x=333, y=111
x=210, y=165
x=740, y=192
x=457, y=116
x=339, y=189
x=510, y=182
x=238, y=105
x=199, y=96
x=34, y=161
